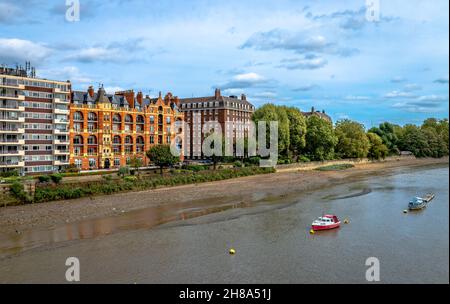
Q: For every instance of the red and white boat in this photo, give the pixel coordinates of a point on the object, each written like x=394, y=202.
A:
x=326, y=222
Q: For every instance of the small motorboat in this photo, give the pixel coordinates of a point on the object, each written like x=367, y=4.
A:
x=326, y=222
x=417, y=203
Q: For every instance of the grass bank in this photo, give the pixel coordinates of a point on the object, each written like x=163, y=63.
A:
x=336, y=167
x=46, y=193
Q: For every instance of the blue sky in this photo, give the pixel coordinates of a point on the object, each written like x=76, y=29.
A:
x=301, y=53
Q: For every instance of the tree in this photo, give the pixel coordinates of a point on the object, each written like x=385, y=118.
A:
x=414, y=140
x=320, y=139
x=297, y=130
x=162, y=157
x=268, y=113
x=135, y=163
x=377, y=149
x=352, y=139
x=436, y=133
x=387, y=133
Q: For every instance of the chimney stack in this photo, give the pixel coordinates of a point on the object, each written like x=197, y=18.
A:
x=243, y=97
x=217, y=94
x=139, y=97
x=313, y=110
x=91, y=91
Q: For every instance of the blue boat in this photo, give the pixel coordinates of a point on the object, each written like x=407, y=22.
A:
x=417, y=203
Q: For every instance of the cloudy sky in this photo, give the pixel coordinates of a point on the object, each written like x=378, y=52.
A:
x=302, y=53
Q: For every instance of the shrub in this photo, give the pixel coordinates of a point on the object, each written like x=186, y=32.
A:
x=237, y=164
x=11, y=173
x=56, y=178
x=18, y=190
x=44, y=178
x=72, y=168
x=124, y=171
x=130, y=178
x=304, y=159
x=107, y=177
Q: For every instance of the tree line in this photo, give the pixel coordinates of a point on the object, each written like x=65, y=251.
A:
x=313, y=138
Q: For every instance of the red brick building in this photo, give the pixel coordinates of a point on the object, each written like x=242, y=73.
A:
x=106, y=130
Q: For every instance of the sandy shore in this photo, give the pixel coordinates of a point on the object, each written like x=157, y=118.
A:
x=46, y=215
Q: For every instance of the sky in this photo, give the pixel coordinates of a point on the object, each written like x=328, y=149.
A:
x=393, y=66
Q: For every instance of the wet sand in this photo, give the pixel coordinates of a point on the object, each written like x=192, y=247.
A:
x=206, y=195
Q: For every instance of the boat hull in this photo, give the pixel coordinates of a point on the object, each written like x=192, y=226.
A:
x=326, y=227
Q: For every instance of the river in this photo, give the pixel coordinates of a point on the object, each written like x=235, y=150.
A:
x=271, y=239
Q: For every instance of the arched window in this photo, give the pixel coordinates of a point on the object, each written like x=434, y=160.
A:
x=92, y=140
x=78, y=116
x=78, y=140
x=140, y=144
x=117, y=118
x=92, y=116
x=117, y=140
x=128, y=119
x=128, y=140
x=140, y=119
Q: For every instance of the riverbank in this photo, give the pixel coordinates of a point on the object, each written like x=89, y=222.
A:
x=47, y=215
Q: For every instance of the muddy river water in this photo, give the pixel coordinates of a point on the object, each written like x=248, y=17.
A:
x=189, y=242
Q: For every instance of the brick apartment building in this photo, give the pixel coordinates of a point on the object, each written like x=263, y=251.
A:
x=34, y=134
x=223, y=109
x=107, y=130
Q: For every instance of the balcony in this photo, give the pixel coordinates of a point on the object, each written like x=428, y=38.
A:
x=58, y=90
x=62, y=152
x=12, y=142
x=12, y=164
x=61, y=131
x=11, y=118
x=61, y=111
x=14, y=108
x=12, y=153
x=59, y=100
x=13, y=96
x=61, y=162
x=61, y=142
x=61, y=121
x=8, y=130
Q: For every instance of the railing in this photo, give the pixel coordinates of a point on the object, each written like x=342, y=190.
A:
x=6, y=140
x=10, y=152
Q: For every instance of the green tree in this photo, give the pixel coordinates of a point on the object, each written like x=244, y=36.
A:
x=414, y=140
x=268, y=113
x=162, y=157
x=136, y=163
x=352, y=139
x=436, y=133
x=320, y=139
x=297, y=130
x=377, y=149
x=387, y=133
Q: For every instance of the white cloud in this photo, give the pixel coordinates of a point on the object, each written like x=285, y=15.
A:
x=14, y=51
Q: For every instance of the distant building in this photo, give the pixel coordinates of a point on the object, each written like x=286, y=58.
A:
x=34, y=134
x=198, y=111
x=320, y=114
x=107, y=130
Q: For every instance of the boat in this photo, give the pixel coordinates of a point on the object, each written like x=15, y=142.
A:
x=417, y=203
x=326, y=222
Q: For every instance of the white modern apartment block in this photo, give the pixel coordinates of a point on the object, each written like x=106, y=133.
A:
x=34, y=125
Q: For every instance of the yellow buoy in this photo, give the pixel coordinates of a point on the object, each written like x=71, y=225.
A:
x=311, y=231
x=232, y=251
x=346, y=221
